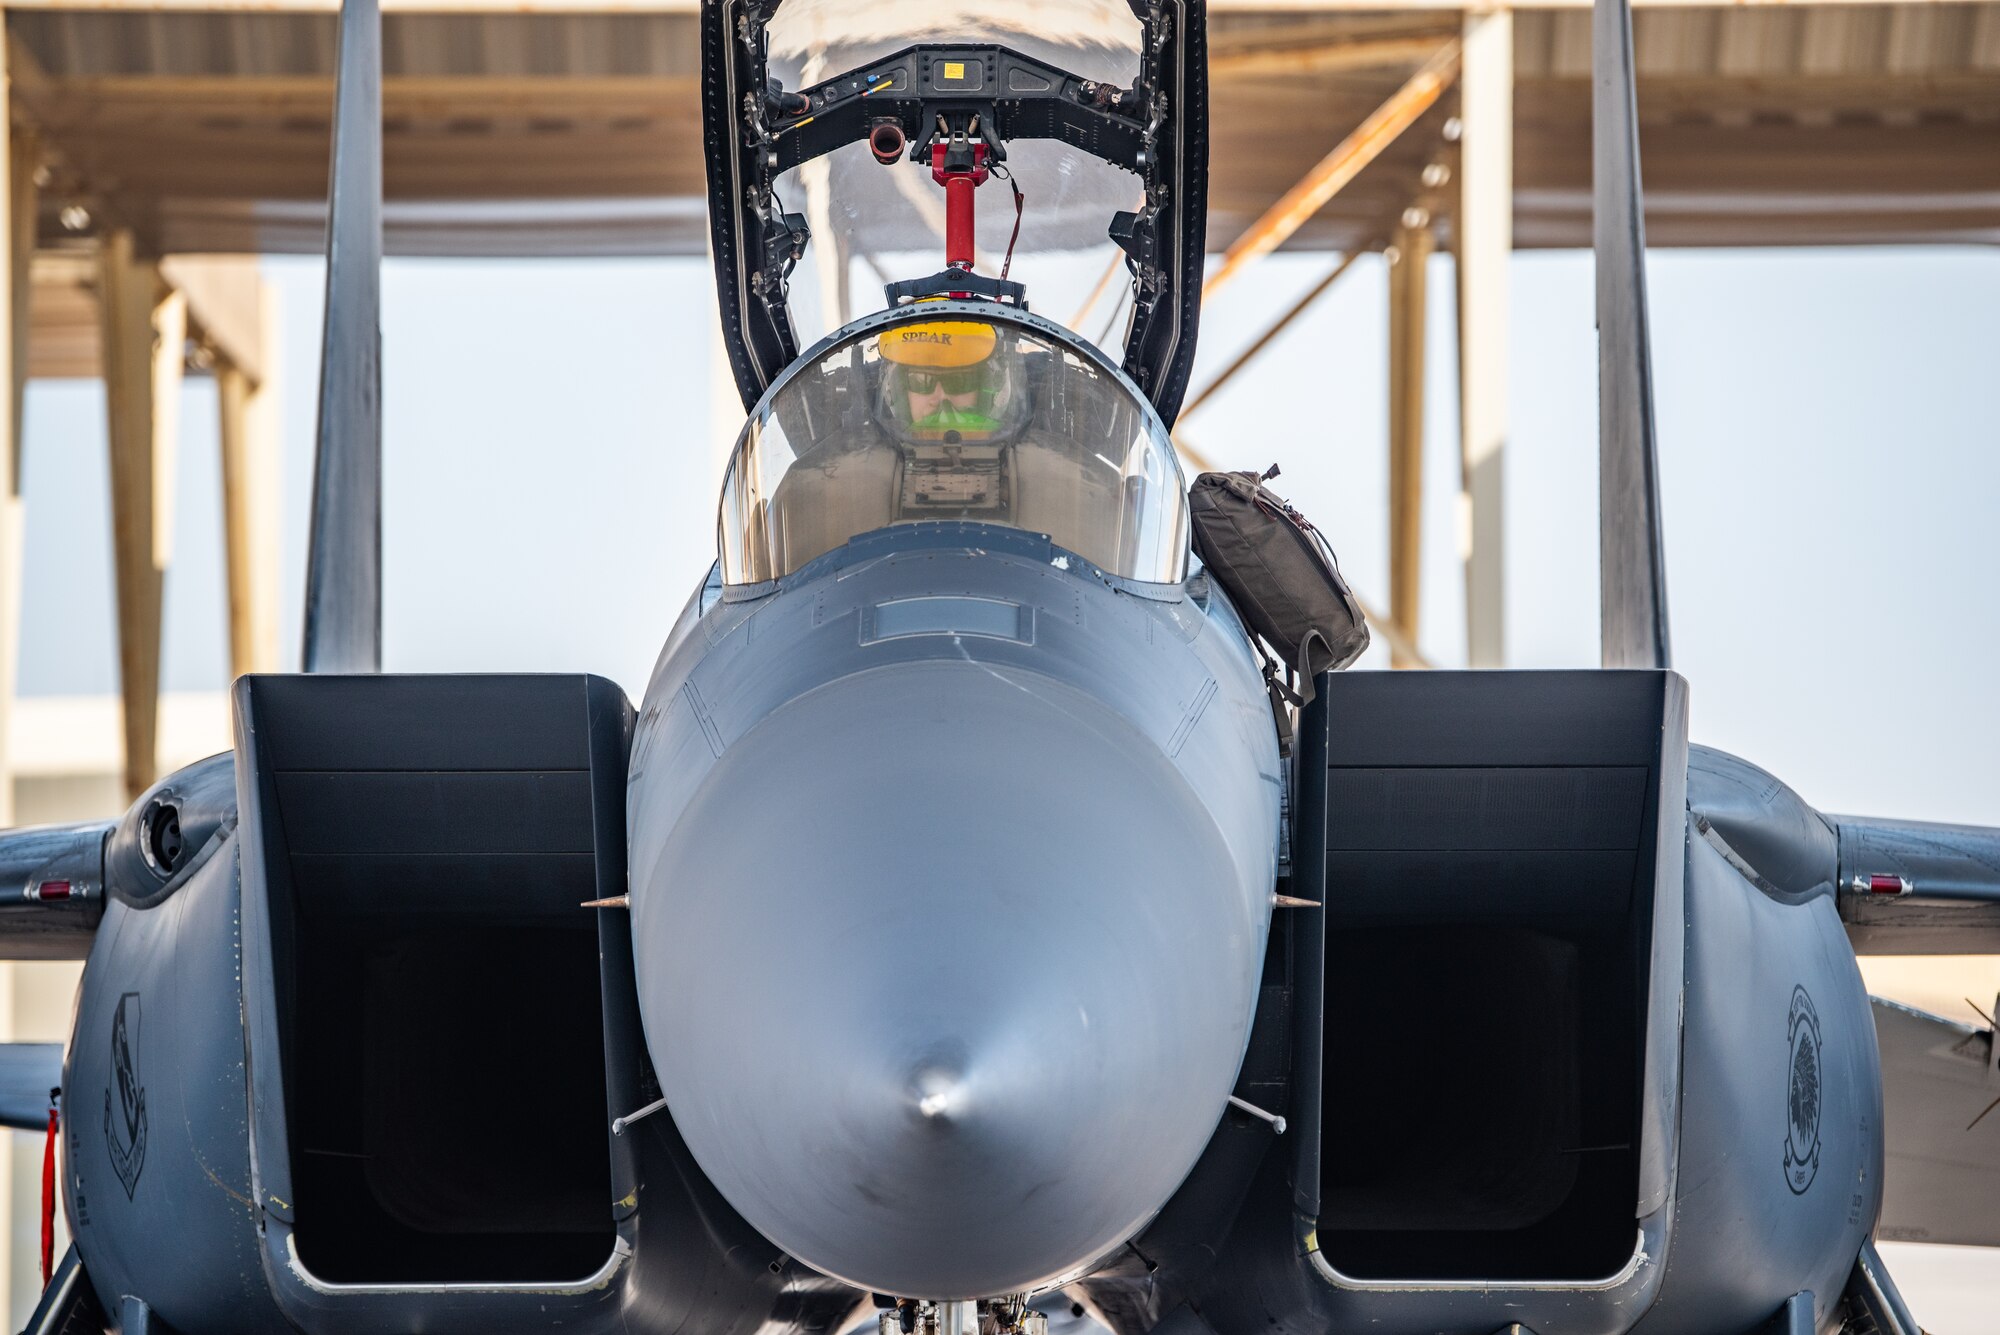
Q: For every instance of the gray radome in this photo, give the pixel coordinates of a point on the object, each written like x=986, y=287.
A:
x=947, y=974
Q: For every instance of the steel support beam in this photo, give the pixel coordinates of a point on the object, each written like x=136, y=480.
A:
x=225, y=297
x=481, y=7
x=248, y=412
x=1103, y=284
x=1191, y=452
x=145, y=341
x=1297, y=206
x=1402, y=641
x=1484, y=237
x=1288, y=7
x=1324, y=56
x=1408, y=292
x=1398, y=632
x=1277, y=327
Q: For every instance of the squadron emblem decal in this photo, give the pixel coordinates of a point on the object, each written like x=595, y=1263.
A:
x=125, y=1124
x=1806, y=1094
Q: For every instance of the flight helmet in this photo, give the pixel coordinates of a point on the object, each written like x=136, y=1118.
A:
x=950, y=382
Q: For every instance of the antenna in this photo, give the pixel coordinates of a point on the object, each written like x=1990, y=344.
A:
x=343, y=622
x=1631, y=557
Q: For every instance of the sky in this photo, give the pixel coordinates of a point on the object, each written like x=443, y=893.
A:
x=1829, y=429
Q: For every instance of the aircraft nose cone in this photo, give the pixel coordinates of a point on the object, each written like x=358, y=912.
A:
x=946, y=974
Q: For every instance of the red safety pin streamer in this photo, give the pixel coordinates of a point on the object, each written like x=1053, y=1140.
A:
x=49, y=1191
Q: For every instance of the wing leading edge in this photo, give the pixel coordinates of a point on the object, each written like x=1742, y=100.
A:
x=1904, y=887
x=1914, y=888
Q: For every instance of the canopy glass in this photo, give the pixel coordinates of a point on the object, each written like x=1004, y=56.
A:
x=954, y=417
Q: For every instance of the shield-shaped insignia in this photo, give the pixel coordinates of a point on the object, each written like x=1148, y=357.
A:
x=1804, y=1093
x=125, y=1097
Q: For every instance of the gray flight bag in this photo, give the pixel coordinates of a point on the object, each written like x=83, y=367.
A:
x=1280, y=573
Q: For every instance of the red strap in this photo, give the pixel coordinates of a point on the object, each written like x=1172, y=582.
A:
x=49, y=1198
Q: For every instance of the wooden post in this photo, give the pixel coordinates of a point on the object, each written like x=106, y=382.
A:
x=1407, y=294
x=231, y=311
x=248, y=409
x=145, y=337
x=24, y=161
x=17, y=210
x=1484, y=236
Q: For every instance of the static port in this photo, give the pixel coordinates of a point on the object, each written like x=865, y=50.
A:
x=885, y=141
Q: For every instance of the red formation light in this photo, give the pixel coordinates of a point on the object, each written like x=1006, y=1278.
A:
x=49, y=890
x=1880, y=884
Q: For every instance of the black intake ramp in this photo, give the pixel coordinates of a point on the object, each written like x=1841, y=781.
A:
x=1490, y=850
x=426, y=843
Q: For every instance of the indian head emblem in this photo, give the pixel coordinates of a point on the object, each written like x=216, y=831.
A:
x=1805, y=1094
x=125, y=1097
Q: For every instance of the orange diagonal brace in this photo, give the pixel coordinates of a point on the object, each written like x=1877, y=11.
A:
x=1339, y=167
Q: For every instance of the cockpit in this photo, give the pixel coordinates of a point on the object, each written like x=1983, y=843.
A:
x=954, y=412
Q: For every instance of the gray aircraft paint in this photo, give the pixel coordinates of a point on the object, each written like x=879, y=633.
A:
x=343, y=617
x=1757, y=1187
x=1744, y=1232
x=1751, y=1219
x=1632, y=559
x=832, y=915
x=1761, y=930
x=177, y=964
x=1272, y=1274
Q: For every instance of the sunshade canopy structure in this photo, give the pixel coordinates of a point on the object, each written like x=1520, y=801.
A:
x=549, y=128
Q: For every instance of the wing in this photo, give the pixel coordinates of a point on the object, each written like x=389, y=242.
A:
x=28, y=1071
x=1941, y=1127
x=1904, y=887
x=1912, y=888
x=54, y=879
x=51, y=893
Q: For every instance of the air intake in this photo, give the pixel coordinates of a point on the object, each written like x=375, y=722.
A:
x=1491, y=846
x=424, y=844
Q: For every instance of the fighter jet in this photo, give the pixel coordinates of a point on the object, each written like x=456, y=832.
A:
x=946, y=943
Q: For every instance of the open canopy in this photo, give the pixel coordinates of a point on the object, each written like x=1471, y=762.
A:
x=1097, y=112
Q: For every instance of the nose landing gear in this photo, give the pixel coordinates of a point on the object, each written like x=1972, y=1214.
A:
x=987, y=1316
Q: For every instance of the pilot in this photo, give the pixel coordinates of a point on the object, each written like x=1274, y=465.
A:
x=950, y=382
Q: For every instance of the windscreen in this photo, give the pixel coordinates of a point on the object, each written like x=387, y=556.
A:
x=873, y=223
x=954, y=418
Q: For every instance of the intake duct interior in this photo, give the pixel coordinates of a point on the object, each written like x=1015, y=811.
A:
x=427, y=843
x=1489, y=884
